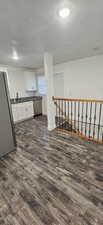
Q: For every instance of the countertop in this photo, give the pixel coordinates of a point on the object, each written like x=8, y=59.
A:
x=25, y=99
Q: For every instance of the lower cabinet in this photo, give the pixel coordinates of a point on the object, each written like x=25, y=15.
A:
x=22, y=111
x=15, y=113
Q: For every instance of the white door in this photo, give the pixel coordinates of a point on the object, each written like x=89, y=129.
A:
x=59, y=85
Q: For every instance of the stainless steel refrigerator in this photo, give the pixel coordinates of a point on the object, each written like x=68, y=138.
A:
x=7, y=133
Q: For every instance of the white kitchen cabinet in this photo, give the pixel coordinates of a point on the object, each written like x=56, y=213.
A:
x=15, y=112
x=22, y=111
x=30, y=81
x=29, y=111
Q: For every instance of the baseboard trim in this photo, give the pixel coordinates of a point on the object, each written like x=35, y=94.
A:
x=20, y=121
x=80, y=135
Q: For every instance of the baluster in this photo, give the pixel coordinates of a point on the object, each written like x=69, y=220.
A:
x=86, y=118
x=90, y=120
x=59, y=113
x=65, y=114
x=75, y=115
x=100, y=111
x=78, y=114
x=95, y=119
x=68, y=114
x=62, y=114
x=82, y=118
x=56, y=114
x=71, y=115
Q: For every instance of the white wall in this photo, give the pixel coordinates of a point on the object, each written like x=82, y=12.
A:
x=83, y=78
x=17, y=82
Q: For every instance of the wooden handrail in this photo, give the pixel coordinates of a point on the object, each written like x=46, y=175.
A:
x=85, y=116
x=77, y=100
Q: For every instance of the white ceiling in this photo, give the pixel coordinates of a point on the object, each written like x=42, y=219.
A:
x=33, y=27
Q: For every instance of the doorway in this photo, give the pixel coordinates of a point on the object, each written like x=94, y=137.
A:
x=59, y=85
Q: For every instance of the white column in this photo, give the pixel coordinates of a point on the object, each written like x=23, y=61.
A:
x=48, y=67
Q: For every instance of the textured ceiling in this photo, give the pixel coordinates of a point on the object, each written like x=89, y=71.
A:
x=33, y=27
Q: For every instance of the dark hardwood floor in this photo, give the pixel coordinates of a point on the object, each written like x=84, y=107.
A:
x=52, y=179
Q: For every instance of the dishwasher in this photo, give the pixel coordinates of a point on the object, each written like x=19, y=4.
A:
x=37, y=104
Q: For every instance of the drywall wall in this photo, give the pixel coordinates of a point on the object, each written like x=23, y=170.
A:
x=82, y=78
x=17, y=83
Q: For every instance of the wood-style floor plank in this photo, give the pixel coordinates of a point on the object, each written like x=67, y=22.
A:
x=52, y=179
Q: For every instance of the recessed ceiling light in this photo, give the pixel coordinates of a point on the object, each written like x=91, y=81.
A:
x=15, y=55
x=64, y=13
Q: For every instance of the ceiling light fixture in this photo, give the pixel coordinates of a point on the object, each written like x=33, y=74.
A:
x=15, y=55
x=64, y=13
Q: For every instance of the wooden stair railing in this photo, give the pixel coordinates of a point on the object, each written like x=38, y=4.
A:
x=84, y=117
x=71, y=123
